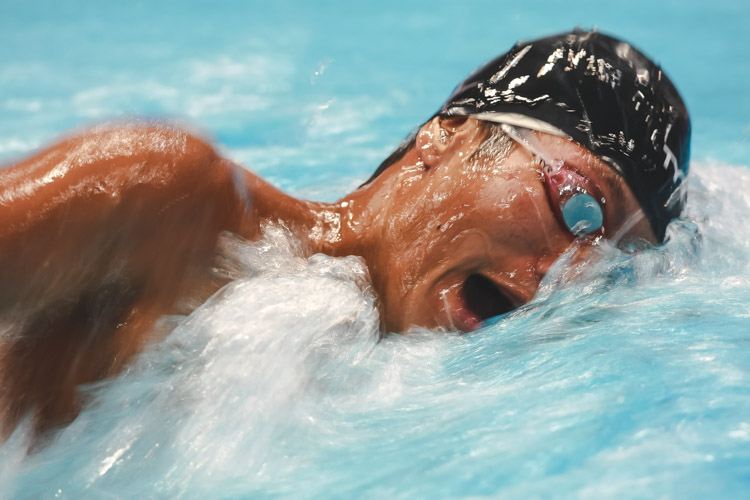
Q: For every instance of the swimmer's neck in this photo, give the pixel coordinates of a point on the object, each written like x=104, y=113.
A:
x=353, y=225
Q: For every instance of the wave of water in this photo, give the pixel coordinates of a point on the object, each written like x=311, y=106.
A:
x=630, y=381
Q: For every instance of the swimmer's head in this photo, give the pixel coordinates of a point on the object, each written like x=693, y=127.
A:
x=601, y=92
x=555, y=145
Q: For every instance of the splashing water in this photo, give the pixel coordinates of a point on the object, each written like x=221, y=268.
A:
x=631, y=380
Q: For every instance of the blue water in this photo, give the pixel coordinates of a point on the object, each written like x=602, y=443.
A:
x=631, y=380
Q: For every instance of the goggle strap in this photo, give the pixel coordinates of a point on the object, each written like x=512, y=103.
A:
x=629, y=223
x=529, y=142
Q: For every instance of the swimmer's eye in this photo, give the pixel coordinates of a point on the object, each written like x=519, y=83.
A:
x=575, y=201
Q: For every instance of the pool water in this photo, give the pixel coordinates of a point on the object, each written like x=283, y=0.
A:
x=630, y=381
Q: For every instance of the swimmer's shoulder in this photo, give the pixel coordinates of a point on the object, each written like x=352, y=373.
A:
x=139, y=168
x=118, y=155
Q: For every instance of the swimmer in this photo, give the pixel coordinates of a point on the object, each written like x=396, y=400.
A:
x=563, y=141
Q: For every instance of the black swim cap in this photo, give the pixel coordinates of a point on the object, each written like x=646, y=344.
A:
x=604, y=94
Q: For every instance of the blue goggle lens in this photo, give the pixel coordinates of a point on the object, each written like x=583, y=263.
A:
x=582, y=214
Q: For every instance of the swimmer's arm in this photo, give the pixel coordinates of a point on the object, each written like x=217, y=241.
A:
x=136, y=203
x=98, y=236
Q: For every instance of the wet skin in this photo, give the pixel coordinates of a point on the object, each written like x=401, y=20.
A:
x=105, y=232
x=444, y=218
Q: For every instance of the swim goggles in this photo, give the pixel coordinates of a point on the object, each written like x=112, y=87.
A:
x=576, y=201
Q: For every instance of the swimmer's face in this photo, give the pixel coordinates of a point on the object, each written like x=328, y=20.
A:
x=466, y=237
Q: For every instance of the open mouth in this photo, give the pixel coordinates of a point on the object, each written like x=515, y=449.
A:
x=483, y=298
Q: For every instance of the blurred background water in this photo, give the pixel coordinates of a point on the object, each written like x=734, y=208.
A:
x=631, y=382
